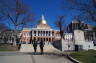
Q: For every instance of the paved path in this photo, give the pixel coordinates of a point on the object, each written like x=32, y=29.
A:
x=49, y=59
x=29, y=58
x=16, y=59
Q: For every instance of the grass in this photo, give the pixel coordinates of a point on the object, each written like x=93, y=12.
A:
x=8, y=47
x=85, y=56
x=5, y=49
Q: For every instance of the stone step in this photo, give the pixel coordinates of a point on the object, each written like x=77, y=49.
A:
x=29, y=48
x=26, y=48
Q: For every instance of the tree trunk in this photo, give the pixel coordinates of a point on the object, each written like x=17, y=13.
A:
x=15, y=37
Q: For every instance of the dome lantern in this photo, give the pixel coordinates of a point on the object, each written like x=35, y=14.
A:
x=42, y=21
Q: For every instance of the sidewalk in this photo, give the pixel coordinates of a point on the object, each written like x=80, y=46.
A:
x=14, y=57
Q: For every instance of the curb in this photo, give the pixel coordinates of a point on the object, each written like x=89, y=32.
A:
x=72, y=59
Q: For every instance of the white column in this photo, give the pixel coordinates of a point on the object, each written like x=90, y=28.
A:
x=45, y=33
x=50, y=33
x=32, y=32
x=40, y=33
x=37, y=33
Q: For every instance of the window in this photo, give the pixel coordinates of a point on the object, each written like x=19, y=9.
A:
x=26, y=34
x=89, y=46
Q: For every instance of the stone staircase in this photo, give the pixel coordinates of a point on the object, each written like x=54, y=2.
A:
x=29, y=48
x=26, y=48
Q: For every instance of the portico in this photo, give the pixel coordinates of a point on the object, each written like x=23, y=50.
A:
x=42, y=34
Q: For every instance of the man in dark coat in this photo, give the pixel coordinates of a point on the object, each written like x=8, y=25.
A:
x=35, y=46
x=41, y=46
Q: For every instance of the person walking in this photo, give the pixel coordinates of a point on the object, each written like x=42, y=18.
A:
x=35, y=46
x=41, y=46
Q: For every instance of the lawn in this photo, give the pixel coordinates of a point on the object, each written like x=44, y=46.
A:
x=85, y=56
x=8, y=47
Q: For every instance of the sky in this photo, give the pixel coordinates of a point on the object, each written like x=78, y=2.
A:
x=51, y=9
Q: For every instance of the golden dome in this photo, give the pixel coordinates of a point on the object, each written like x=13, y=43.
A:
x=42, y=21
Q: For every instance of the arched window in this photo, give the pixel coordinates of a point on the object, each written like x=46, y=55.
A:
x=46, y=39
x=34, y=33
x=49, y=39
x=34, y=38
x=26, y=34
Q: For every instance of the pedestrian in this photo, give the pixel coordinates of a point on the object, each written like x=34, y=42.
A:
x=41, y=46
x=31, y=41
x=35, y=46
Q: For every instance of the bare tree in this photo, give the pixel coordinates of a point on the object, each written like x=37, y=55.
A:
x=81, y=26
x=60, y=25
x=87, y=8
x=3, y=27
x=15, y=12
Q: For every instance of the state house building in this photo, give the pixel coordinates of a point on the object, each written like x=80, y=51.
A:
x=41, y=32
x=44, y=32
x=76, y=29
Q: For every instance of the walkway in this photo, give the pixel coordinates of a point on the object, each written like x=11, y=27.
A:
x=15, y=57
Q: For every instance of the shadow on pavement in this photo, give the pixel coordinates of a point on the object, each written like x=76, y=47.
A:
x=22, y=53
